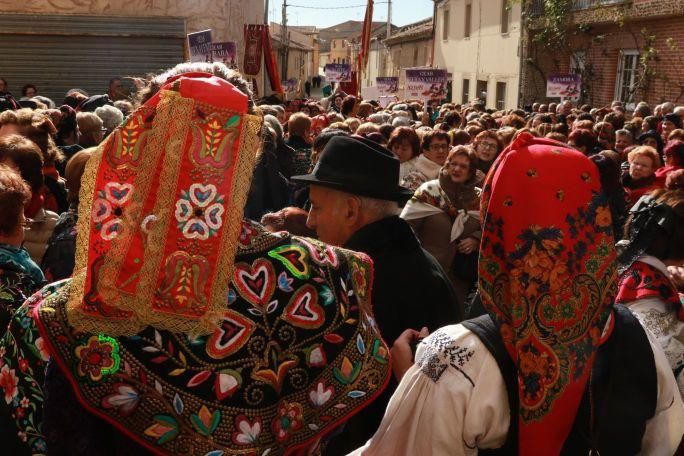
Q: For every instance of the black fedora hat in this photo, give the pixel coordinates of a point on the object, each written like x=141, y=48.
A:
x=358, y=166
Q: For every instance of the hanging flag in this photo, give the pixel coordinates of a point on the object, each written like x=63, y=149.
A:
x=365, y=38
x=254, y=42
x=270, y=62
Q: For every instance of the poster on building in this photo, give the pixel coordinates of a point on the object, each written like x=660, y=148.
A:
x=199, y=44
x=338, y=72
x=566, y=86
x=225, y=52
x=387, y=85
x=290, y=85
x=425, y=84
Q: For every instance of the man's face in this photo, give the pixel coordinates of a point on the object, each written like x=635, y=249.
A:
x=622, y=142
x=328, y=215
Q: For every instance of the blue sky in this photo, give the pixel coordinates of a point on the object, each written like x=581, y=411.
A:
x=403, y=11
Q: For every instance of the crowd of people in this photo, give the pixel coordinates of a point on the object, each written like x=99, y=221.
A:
x=189, y=270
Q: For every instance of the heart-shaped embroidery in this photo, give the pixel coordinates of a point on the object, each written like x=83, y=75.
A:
x=118, y=193
x=196, y=229
x=294, y=258
x=102, y=209
x=213, y=216
x=183, y=210
x=255, y=283
x=201, y=195
x=322, y=254
x=303, y=310
x=230, y=336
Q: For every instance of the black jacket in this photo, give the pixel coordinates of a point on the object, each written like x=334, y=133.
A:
x=410, y=290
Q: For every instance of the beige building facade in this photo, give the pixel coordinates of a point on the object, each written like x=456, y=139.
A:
x=478, y=41
x=107, y=38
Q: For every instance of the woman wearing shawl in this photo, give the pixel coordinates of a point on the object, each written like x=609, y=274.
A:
x=654, y=241
x=186, y=329
x=554, y=350
x=444, y=213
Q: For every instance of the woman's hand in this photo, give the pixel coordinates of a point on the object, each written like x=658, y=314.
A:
x=402, y=351
x=468, y=245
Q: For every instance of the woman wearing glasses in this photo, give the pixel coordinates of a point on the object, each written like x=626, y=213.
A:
x=444, y=213
x=434, y=151
x=487, y=146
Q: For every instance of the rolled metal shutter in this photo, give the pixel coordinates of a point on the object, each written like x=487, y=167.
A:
x=60, y=52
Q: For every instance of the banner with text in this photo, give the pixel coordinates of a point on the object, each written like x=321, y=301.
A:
x=387, y=85
x=290, y=85
x=338, y=72
x=426, y=84
x=199, y=44
x=225, y=52
x=567, y=86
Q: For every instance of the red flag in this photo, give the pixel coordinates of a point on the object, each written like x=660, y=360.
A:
x=270, y=62
x=365, y=38
x=254, y=37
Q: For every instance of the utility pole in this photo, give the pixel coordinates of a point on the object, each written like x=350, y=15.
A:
x=389, y=18
x=284, y=40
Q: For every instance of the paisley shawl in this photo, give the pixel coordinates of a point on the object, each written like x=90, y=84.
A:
x=548, y=278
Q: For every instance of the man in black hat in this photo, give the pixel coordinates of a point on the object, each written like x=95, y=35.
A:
x=355, y=200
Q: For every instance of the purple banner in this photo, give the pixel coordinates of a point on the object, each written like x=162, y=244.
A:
x=426, y=84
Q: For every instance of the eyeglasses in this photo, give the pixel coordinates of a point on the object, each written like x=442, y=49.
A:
x=490, y=146
x=439, y=146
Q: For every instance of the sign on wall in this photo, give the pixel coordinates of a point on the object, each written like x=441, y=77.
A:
x=225, y=52
x=199, y=44
x=567, y=86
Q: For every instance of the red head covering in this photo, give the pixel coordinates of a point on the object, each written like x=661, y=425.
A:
x=161, y=211
x=547, y=277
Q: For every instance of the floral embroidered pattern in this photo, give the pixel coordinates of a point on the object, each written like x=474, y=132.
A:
x=108, y=208
x=290, y=358
x=98, y=357
x=199, y=211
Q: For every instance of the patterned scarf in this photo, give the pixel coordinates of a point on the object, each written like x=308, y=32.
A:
x=547, y=277
x=643, y=281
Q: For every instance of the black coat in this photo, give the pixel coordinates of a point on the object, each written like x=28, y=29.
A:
x=410, y=290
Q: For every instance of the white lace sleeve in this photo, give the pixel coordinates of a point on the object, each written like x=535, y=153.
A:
x=451, y=402
x=665, y=430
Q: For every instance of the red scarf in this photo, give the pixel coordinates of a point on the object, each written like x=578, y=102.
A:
x=643, y=281
x=547, y=276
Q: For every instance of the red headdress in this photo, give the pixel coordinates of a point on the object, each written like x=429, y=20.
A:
x=547, y=277
x=161, y=210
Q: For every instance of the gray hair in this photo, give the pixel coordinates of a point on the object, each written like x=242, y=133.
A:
x=111, y=117
x=378, y=209
x=273, y=122
x=624, y=132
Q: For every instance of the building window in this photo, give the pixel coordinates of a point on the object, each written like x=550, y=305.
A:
x=482, y=90
x=445, y=24
x=466, y=91
x=626, y=76
x=468, y=14
x=500, y=95
x=505, y=15
x=415, y=57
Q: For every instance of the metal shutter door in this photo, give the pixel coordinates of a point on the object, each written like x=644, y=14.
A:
x=58, y=53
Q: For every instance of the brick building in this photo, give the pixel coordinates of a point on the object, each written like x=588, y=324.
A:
x=625, y=50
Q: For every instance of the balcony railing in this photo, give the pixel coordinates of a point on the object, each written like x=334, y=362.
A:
x=537, y=8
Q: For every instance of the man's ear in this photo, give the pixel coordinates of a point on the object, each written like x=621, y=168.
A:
x=352, y=210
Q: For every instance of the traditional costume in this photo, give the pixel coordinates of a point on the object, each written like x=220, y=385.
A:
x=185, y=328
x=555, y=368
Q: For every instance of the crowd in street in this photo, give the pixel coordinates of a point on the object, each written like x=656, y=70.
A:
x=190, y=270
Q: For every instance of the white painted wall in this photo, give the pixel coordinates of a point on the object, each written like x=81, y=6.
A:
x=487, y=54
